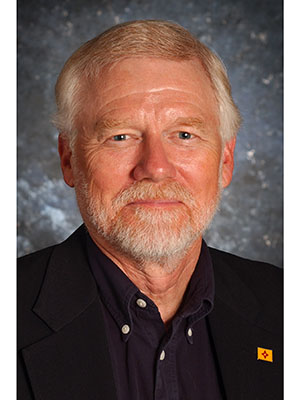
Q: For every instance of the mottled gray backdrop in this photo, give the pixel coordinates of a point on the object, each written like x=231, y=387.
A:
x=247, y=34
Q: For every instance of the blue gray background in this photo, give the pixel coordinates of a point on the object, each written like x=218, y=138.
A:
x=247, y=34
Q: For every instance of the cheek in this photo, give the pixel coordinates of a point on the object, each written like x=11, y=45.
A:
x=205, y=182
x=108, y=176
x=105, y=172
x=110, y=172
x=201, y=171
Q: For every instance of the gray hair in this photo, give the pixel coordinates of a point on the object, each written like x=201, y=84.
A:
x=143, y=38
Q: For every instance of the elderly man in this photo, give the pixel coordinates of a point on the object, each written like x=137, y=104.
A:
x=134, y=305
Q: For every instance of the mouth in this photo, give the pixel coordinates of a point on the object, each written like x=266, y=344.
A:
x=158, y=203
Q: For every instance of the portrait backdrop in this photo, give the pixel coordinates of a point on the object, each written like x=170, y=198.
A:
x=246, y=34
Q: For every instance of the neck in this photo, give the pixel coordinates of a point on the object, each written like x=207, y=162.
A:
x=164, y=283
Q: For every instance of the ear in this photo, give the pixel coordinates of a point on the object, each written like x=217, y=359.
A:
x=65, y=154
x=228, y=162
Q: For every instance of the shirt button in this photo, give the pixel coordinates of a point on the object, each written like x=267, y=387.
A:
x=190, y=332
x=125, y=329
x=141, y=303
x=162, y=355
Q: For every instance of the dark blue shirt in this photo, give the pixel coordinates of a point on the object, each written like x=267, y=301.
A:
x=148, y=360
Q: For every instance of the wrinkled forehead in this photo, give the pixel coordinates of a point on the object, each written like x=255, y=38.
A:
x=149, y=78
x=151, y=74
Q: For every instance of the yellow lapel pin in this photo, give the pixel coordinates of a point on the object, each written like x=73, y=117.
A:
x=264, y=354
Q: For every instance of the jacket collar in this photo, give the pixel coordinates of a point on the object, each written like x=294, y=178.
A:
x=232, y=291
x=69, y=287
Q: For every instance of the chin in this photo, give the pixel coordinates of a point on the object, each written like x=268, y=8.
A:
x=153, y=235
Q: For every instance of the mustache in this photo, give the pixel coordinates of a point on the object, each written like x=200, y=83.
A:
x=144, y=190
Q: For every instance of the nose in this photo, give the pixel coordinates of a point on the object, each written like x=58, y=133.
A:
x=154, y=163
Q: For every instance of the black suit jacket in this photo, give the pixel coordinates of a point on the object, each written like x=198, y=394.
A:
x=63, y=351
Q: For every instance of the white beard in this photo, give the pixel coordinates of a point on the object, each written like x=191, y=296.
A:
x=147, y=234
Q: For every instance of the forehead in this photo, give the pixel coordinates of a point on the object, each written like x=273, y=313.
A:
x=151, y=81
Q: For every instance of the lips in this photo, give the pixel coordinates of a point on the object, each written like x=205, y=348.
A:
x=156, y=202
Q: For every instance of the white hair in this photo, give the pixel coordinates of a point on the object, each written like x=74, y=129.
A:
x=143, y=38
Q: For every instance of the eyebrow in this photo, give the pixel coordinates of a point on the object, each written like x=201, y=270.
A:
x=191, y=121
x=103, y=125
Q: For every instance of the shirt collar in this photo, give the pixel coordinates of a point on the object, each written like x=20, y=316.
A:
x=201, y=286
x=117, y=291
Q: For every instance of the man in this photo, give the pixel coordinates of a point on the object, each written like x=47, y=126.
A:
x=134, y=305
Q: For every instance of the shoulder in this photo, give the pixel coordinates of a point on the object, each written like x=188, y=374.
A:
x=246, y=281
x=257, y=273
x=33, y=265
x=28, y=263
x=31, y=272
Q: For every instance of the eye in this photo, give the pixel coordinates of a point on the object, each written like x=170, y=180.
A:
x=119, y=138
x=184, y=135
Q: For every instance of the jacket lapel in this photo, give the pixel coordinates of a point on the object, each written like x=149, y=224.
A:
x=236, y=336
x=74, y=361
x=234, y=349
